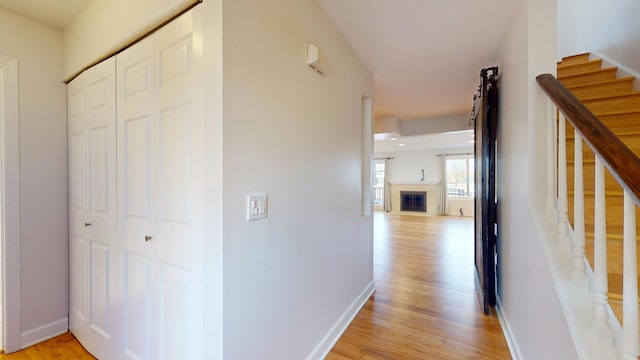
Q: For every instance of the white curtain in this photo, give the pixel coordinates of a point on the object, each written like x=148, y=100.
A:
x=387, y=187
x=444, y=199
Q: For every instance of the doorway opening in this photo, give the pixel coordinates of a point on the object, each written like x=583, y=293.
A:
x=378, y=185
x=459, y=178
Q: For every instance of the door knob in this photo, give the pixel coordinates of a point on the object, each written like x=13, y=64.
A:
x=147, y=237
x=87, y=224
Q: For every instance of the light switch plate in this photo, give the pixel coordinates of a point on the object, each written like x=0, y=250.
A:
x=256, y=207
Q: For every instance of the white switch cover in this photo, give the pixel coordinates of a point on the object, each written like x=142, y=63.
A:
x=256, y=207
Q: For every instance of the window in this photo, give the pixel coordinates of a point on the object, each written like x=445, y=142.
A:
x=378, y=183
x=460, y=177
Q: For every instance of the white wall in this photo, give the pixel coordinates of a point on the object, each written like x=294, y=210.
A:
x=104, y=26
x=607, y=27
x=407, y=165
x=295, y=136
x=529, y=300
x=43, y=173
x=435, y=125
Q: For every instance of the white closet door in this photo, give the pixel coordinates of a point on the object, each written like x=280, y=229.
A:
x=92, y=168
x=179, y=190
x=160, y=156
x=76, y=93
x=136, y=193
x=101, y=206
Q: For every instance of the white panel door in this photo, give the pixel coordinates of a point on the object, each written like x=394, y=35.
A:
x=100, y=222
x=179, y=190
x=136, y=193
x=76, y=92
x=92, y=179
x=160, y=193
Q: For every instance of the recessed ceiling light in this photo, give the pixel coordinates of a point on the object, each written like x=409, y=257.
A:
x=472, y=142
x=400, y=144
x=393, y=139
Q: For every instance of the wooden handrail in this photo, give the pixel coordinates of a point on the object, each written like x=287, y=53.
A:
x=623, y=164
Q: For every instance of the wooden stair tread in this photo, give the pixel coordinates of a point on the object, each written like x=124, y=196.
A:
x=610, y=237
x=577, y=64
x=575, y=58
x=624, y=132
x=607, y=193
x=588, y=72
x=602, y=88
x=627, y=122
x=631, y=95
x=628, y=133
x=588, y=77
x=631, y=116
x=567, y=69
x=600, y=82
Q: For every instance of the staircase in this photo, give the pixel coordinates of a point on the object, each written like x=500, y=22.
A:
x=613, y=100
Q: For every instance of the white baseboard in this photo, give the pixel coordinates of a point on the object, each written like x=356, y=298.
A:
x=44, y=332
x=506, y=329
x=330, y=339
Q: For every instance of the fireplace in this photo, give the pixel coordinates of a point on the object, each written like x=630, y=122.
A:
x=413, y=201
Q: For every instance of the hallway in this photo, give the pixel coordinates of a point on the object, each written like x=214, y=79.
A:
x=425, y=305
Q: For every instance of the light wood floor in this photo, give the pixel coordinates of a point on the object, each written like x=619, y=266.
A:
x=425, y=305
x=63, y=347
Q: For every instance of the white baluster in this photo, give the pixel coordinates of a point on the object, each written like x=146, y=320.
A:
x=579, y=268
x=551, y=160
x=631, y=330
x=600, y=323
x=563, y=217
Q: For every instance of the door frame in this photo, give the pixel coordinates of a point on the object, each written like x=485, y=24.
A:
x=10, y=204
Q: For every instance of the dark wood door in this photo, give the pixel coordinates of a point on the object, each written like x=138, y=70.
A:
x=486, y=123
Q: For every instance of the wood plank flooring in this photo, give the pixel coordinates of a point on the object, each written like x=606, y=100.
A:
x=425, y=305
x=63, y=347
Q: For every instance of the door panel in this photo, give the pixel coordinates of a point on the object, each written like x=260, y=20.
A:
x=160, y=155
x=77, y=308
x=176, y=289
x=486, y=124
x=137, y=148
x=100, y=214
x=76, y=182
x=99, y=306
x=99, y=161
x=76, y=95
x=179, y=188
x=137, y=310
x=173, y=165
x=135, y=69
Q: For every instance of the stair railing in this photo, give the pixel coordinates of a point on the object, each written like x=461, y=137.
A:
x=624, y=165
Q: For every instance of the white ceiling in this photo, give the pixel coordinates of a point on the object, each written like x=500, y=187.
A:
x=449, y=140
x=426, y=55
x=55, y=13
